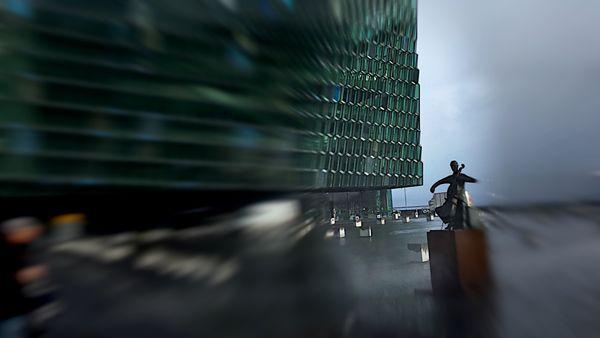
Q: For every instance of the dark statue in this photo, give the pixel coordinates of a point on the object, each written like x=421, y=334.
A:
x=454, y=211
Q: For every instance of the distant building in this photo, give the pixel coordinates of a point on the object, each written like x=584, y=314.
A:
x=363, y=203
x=371, y=130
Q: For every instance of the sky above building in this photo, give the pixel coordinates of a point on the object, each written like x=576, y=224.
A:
x=512, y=89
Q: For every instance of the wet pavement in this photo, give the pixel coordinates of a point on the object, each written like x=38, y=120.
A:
x=390, y=283
x=295, y=281
x=112, y=286
x=545, y=264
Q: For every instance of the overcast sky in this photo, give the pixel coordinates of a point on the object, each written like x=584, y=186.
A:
x=512, y=89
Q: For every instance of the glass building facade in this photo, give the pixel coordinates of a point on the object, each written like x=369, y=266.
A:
x=255, y=94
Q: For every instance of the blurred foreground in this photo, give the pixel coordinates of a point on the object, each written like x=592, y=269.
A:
x=269, y=270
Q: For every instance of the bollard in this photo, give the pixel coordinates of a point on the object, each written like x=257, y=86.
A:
x=430, y=217
x=67, y=227
x=332, y=221
x=421, y=248
x=396, y=216
x=382, y=221
x=339, y=233
x=424, y=253
x=329, y=233
x=365, y=232
x=407, y=219
x=357, y=221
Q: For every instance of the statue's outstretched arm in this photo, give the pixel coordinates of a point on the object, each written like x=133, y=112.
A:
x=469, y=179
x=445, y=180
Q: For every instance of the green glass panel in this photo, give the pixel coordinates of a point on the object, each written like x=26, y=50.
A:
x=132, y=98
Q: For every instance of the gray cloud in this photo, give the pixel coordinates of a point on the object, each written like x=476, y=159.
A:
x=512, y=89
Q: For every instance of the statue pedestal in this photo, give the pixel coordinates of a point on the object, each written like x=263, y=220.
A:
x=458, y=262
